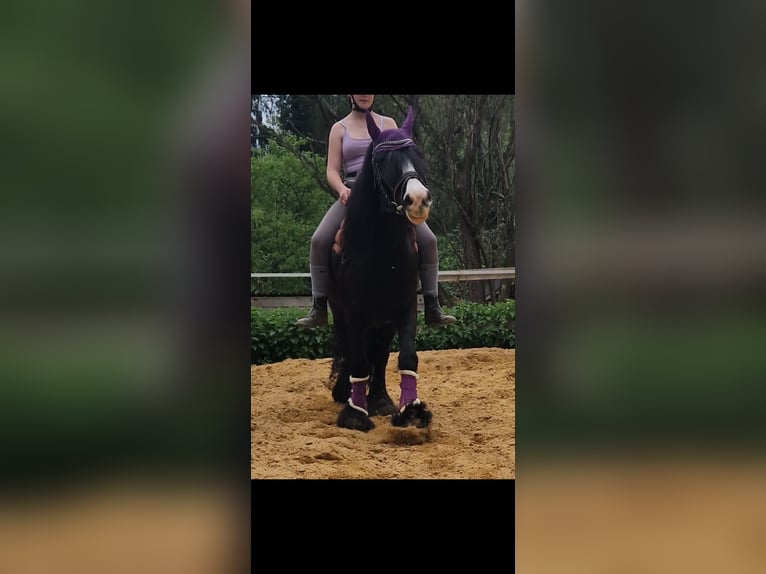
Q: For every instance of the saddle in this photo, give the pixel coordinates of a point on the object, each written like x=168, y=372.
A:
x=337, y=245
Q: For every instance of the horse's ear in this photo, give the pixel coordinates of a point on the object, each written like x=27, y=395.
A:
x=407, y=124
x=373, y=129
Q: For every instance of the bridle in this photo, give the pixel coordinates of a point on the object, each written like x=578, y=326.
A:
x=393, y=195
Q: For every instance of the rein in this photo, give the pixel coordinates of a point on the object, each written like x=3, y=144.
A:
x=393, y=195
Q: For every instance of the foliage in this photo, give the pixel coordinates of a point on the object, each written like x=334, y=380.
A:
x=275, y=337
x=477, y=325
x=286, y=206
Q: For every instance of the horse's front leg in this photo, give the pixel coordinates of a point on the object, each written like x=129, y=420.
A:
x=379, y=348
x=340, y=367
x=354, y=414
x=412, y=411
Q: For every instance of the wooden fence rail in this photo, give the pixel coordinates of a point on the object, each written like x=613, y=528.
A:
x=305, y=301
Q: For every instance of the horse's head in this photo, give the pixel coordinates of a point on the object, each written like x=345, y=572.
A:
x=399, y=169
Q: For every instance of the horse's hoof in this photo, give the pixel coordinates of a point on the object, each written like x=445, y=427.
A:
x=381, y=406
x=351, y=418
x=414, y=413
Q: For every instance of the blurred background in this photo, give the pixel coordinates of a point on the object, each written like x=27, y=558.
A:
x=123, y=344
x=641, y=250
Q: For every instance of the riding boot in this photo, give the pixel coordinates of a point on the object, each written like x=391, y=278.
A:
x=434, y=315
x=317, y=316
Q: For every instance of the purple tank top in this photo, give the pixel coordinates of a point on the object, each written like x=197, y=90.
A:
x=353, y=150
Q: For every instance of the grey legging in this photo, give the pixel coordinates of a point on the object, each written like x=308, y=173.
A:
x=324, y=236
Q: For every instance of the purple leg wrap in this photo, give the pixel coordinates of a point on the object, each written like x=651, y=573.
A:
x=359, y=394
x=409, y=387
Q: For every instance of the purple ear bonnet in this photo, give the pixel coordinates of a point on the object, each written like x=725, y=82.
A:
x=387, y=140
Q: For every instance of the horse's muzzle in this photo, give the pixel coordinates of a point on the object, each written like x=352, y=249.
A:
x=417, y=215
x=417, y=202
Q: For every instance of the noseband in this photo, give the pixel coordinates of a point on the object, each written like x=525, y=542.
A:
x=394, y=194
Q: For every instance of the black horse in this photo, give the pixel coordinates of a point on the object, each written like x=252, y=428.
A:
x=374, y=280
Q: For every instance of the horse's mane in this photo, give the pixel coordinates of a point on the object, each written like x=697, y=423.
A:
x=359, y=208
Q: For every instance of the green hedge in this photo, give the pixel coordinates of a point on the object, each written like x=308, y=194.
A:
x=275, y=337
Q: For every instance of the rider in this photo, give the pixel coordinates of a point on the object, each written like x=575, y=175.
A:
x=347, y=145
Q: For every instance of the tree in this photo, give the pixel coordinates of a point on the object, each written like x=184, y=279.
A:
x=469, y=143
